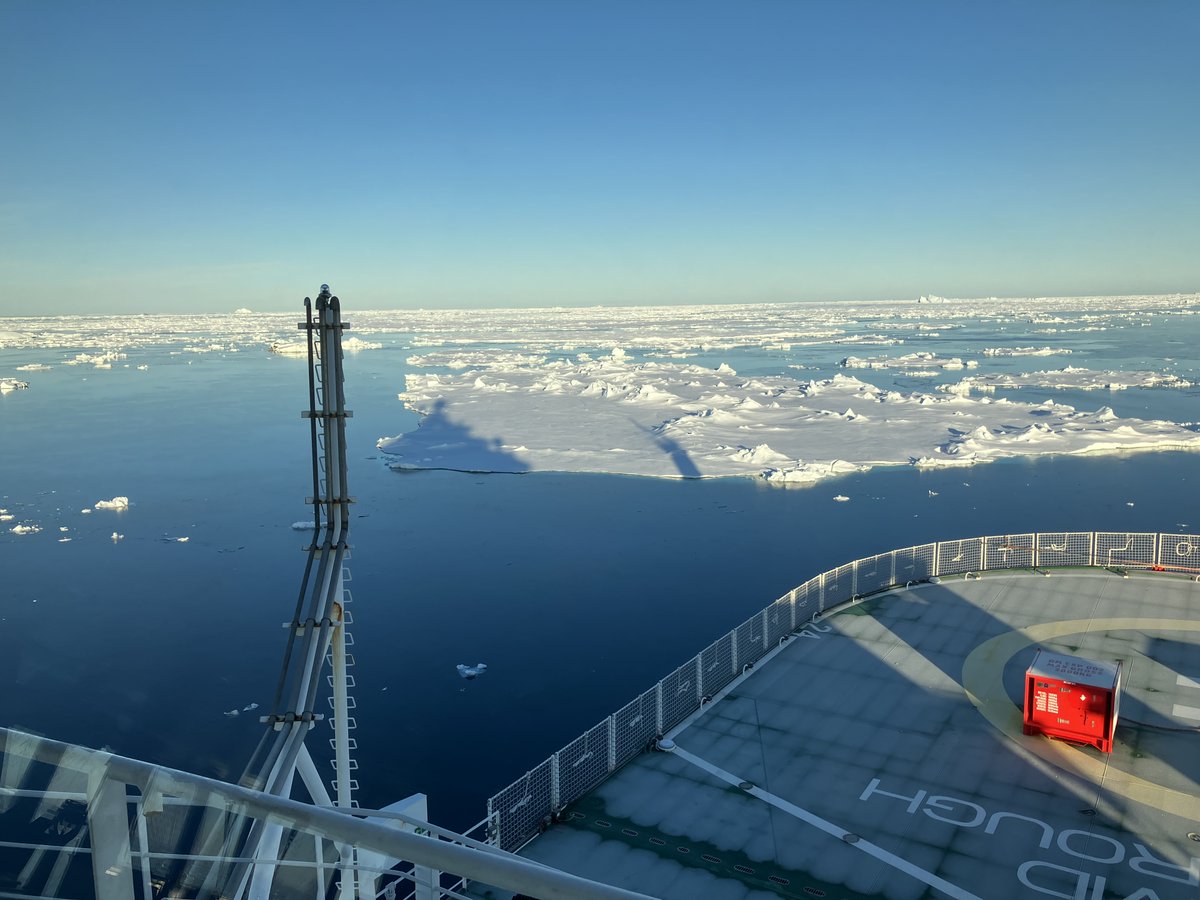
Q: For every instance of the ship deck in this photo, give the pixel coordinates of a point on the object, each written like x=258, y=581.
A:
x=878, y=752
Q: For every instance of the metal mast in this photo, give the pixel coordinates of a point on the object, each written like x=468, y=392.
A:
x=318, y=630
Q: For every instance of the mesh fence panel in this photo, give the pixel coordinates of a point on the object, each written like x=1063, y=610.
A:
x=874, y=573
x=808, y=600
x=750, y=640
x=1124, y=548
x=520, y=808
x=717, y=665
x=1010, y=551
x=779, y=620
x=679, y=695
x=635, y=726
x=1064, y=548
x=838, y=587
x=1179, y=551
x=915, y=563
x=583, y=763
x=956, y=557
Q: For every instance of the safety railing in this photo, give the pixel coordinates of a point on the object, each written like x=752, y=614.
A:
x=79, y=823
x=527, y=806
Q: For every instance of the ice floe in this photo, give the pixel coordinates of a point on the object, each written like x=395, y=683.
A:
x=470, y=672
x=25, y=529
x=611, y=414
x=114, y=503
x=1073, y=378
x=8, y=385
x=918, y=360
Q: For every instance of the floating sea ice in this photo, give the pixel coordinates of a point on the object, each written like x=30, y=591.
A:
x=64, y=540
x=114, y=503
x=302, y=526
x=6, y=517
x=117, y=537
x=1129, y=503
x=469, y=672
x=182, y=540
x=86, y=512
x=233, y=712
x=933, y=493
x=250, y=707
x=841, y=498
x=25, y=529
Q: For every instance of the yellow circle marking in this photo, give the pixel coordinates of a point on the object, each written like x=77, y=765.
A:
x=982, y=680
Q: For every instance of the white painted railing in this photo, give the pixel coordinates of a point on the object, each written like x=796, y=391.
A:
x=532, y=802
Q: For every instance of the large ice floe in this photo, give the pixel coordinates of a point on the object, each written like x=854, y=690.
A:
x=612, y=414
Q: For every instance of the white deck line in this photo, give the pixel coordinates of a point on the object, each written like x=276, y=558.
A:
x=1186, y=712
x=1184, y=681
x=830, y=828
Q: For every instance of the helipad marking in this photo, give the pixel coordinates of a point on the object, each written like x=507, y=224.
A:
x=1184, y=681
x=982, y=680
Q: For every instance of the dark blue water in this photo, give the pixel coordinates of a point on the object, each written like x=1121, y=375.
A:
x=577, y=591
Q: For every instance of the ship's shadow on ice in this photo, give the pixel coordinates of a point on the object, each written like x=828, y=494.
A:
x=679, y=457
x=441, y=443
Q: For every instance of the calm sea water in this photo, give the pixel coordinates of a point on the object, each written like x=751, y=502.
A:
x=578, y=591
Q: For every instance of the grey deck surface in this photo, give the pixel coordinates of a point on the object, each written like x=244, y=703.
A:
x=863, y=738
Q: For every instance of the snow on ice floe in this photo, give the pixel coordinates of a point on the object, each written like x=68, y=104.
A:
x=670, y=419
x=25, y=529
x=1025, y=351
x=34, y=367
x=114, y=503
x=919, y=360
x=300, y=348
x=1070, y=377
x=7, y=385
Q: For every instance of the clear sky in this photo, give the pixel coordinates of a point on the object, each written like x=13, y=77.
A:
x=192, y=156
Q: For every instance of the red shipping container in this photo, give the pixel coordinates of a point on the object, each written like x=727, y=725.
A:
x=1072, y=698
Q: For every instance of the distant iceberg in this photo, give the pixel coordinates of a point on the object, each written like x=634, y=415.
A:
x=114, y=503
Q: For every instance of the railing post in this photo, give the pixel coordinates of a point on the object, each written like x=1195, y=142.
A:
x=937, y=559
x=1092, y=550
x=700, y=677
x=792, y=604
x=555, y=785
x=766, y=624
x=612, y=743
x=821, y=596
x=854, y=578
x=658, y=709
x=733, y=652
x=983, y=554
x=1037, y=545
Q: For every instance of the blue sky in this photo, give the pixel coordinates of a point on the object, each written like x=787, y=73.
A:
x=165, y=157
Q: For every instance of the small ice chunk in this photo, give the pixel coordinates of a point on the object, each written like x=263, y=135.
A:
x=302, y=526
x=6, y=517
x=114, y=503
x=933, y=493
x=25, y=529
x=469, y=672
x=117, y=537
x=86, y=512
x=250, y=707
x=841, y=498
x=233, y=712
x=64, y=540
x=182, y=540
x=63, y=528
x=1129, y=503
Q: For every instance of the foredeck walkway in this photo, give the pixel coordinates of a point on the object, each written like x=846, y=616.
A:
x=878, y=753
